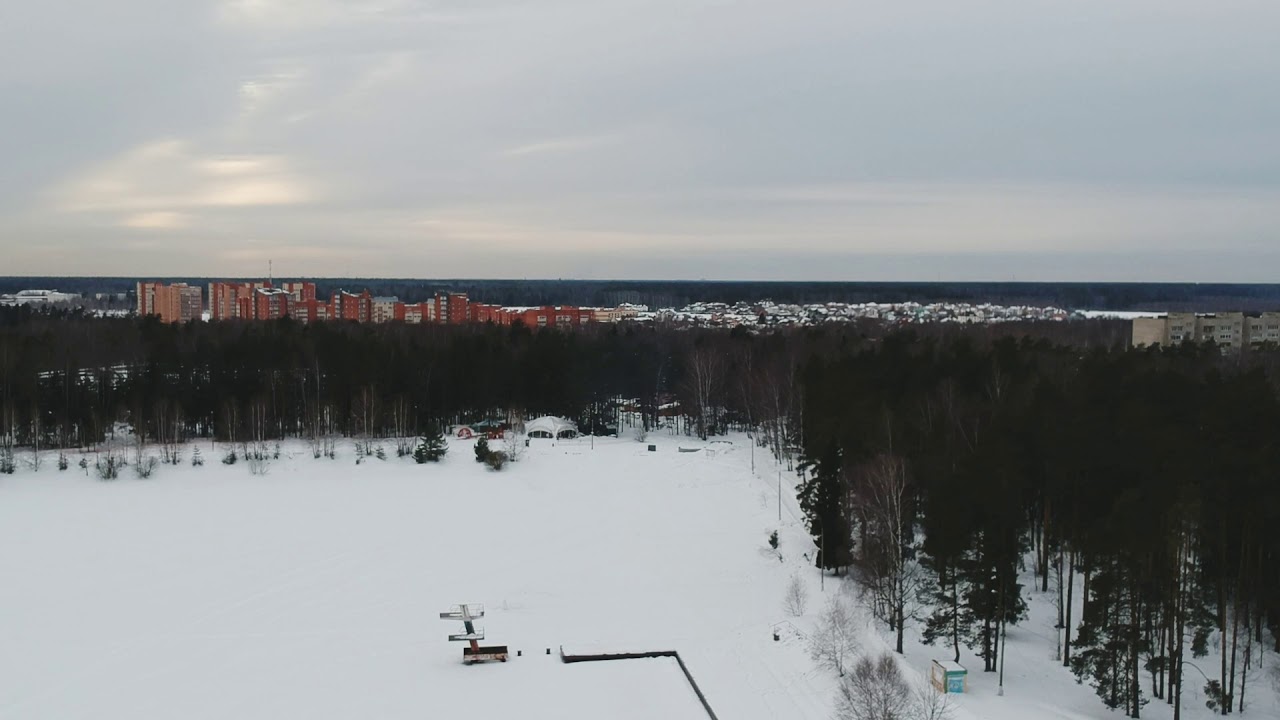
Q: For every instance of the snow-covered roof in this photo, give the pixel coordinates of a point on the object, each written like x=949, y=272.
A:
x=550, y=424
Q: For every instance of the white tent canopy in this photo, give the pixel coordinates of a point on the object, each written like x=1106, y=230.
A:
x=548, y=426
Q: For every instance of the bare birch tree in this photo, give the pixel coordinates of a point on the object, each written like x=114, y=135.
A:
x=835, y=642
x=891, y=576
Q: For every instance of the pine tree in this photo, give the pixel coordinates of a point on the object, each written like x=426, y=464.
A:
x=822, y=500
x=482, y=450
x=430, y=448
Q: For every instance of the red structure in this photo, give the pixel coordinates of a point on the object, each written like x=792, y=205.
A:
x=270, y=303
x=349, y=306
x=179, y=302
x=265, y=300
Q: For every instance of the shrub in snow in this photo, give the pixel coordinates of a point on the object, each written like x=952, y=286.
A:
x=108, y=466
x=258, y=464
x=797, y=597
x=63, y=463
x=7, y=465
x=875, y=690
x=496, y=460
x=773, y=539
x=482, y=450
x=230, y=458
x=196, y=459
x=84, y=465
x=931, y=704
x=146, y=466
x=641, y=434
x=380, y=453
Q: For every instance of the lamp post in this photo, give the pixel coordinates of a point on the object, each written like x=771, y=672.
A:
x=822, y=557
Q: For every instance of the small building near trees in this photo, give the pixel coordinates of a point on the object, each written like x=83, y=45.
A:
x=551, y=427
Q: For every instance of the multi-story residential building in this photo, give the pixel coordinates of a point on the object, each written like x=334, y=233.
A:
x=178, y=302
x=452, y=308
x=1231, y=331
x=383, y=309
x=312, y=310
x=271, y=303
x=301, y=291
x=608, y=315
x=417, y=313
x=349, y=306
x=232, y=300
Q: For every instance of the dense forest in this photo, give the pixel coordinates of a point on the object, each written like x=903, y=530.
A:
x=942, y=466
x=666, y=293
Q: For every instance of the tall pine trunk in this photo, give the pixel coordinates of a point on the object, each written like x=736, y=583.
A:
x=1071, y=586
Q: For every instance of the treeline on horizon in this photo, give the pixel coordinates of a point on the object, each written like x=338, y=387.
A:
x=68, y=378
x=939, y=461
x=1203, y=297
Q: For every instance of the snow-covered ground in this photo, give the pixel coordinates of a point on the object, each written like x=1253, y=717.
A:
x=314, y=591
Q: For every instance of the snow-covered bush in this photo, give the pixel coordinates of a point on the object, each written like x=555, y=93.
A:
x=108, y=466
x=875, y=690
x=63, y=462
x=511, y=441
x=796, y=598
x=482, y=450
x=496, y=460
x=230, y=458
x=7, y=466
x=145, y=466
x=931, y=703
x=196, y=459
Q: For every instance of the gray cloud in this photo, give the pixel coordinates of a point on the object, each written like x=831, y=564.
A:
x=642, y=138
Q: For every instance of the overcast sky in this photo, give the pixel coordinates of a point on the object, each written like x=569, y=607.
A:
x=718, y=139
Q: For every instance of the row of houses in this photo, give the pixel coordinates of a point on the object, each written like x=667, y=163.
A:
x=1231, y=330
x=267, y=300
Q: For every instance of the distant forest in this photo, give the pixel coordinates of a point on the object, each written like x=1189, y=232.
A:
x=662, y=293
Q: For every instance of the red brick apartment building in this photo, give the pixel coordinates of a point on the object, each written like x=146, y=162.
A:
x=178, y=302
x=267, y=300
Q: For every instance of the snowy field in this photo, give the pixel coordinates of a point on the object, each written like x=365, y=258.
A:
x=314, y=591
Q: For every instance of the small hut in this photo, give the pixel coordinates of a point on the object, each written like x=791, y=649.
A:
x=551, y=427
x=948, y=677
